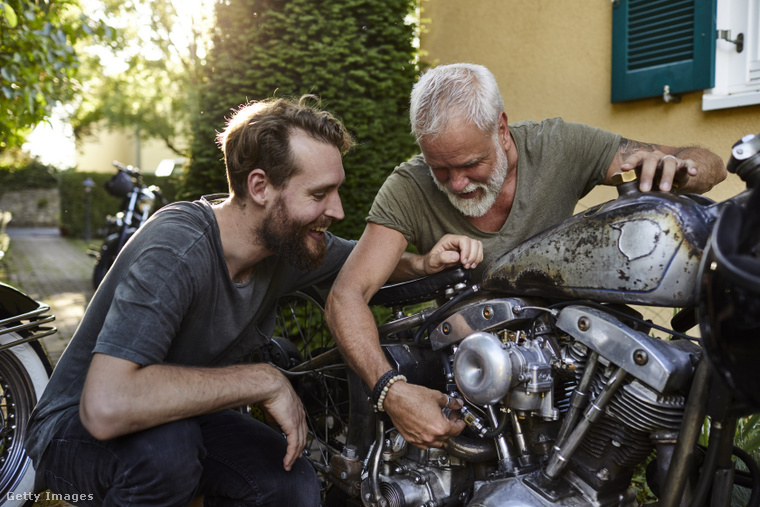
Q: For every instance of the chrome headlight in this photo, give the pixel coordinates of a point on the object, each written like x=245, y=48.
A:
x=146, y=202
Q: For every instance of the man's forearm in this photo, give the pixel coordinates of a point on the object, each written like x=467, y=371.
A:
x=355, y=333
x=118, y=400
x=409, y=267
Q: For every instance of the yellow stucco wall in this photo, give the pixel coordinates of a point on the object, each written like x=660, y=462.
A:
x=97, y=152
x=553, y=58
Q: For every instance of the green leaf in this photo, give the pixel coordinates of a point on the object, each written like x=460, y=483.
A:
x=10, y=14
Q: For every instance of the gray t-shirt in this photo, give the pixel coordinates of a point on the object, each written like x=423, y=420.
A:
x=558, y=163
x=169, y=299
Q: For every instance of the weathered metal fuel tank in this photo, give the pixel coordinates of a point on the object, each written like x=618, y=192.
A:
x=641, y=248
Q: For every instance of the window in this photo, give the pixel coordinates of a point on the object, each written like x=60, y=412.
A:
x=662, y=47
x=737, y=73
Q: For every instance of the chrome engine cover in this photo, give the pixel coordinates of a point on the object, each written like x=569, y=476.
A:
x=519, y=492
x=486, y=371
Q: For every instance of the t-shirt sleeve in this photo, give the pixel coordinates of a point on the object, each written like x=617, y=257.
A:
x=593, y=150
x=396, y=205
x=147, y=308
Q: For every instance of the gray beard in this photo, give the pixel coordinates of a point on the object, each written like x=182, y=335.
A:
x=479, y=206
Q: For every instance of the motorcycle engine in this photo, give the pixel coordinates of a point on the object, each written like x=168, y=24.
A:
x=561, y=406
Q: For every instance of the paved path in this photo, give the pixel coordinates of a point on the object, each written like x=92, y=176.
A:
x=51, y=270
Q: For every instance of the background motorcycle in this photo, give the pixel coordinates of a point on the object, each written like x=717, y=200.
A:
x=24, y=373
x=139, y=201
x=566, y=391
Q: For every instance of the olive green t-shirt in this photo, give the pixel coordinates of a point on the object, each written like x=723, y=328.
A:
x=558, y=163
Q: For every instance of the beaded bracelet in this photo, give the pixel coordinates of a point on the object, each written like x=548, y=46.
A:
x=381, y=383
x=381, y=387
x=384, y=392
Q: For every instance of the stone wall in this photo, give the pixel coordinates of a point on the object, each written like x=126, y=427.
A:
x=32, y=208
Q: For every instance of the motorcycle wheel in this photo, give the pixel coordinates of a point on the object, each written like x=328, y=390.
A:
x=24, y=373
x=302, y=334
x=302, y=326
x=301, y=319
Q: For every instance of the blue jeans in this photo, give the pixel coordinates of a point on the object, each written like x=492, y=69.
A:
x=228, y=457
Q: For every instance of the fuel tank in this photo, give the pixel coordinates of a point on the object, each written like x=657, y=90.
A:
x=641, y=248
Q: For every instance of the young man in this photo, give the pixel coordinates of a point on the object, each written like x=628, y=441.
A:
x=494, y=182
x=139, y=408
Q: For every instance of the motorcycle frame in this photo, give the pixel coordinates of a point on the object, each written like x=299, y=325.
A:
x=31, y=319
x=126, y=228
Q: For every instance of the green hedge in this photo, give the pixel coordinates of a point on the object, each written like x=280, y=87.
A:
x=102, y=204
x=358, y=56
x=19, y=172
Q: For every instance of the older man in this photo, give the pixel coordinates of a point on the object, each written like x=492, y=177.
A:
x=492, y=181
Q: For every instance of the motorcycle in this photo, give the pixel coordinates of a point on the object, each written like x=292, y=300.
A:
x=24, y=370
x=139, y=201
x=567, y=394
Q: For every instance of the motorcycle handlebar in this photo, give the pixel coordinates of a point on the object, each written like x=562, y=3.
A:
x=130, y=170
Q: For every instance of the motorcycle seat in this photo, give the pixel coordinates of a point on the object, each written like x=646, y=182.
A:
x=421, y=289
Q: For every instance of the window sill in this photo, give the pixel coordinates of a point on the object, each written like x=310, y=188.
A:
x=712, y=101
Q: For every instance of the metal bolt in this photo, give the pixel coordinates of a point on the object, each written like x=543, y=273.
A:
x=584, y=324
x=640, y=357
x=446, y=328
x=350, y=451
x=488, y=312
x=603, y=474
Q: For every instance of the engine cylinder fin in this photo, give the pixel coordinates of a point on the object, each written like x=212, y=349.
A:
x=564, y=391
x=609, y=441
x=641, y=408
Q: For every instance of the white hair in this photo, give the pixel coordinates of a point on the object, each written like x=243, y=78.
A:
x=461, y=91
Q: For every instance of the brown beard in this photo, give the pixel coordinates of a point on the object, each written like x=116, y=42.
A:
x=288, y=239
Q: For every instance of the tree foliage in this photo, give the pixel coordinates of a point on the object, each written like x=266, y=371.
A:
x=160, y=49
x=358, y=56
x=39, y=63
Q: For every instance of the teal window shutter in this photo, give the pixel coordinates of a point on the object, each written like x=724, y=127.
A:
x=659, y=43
